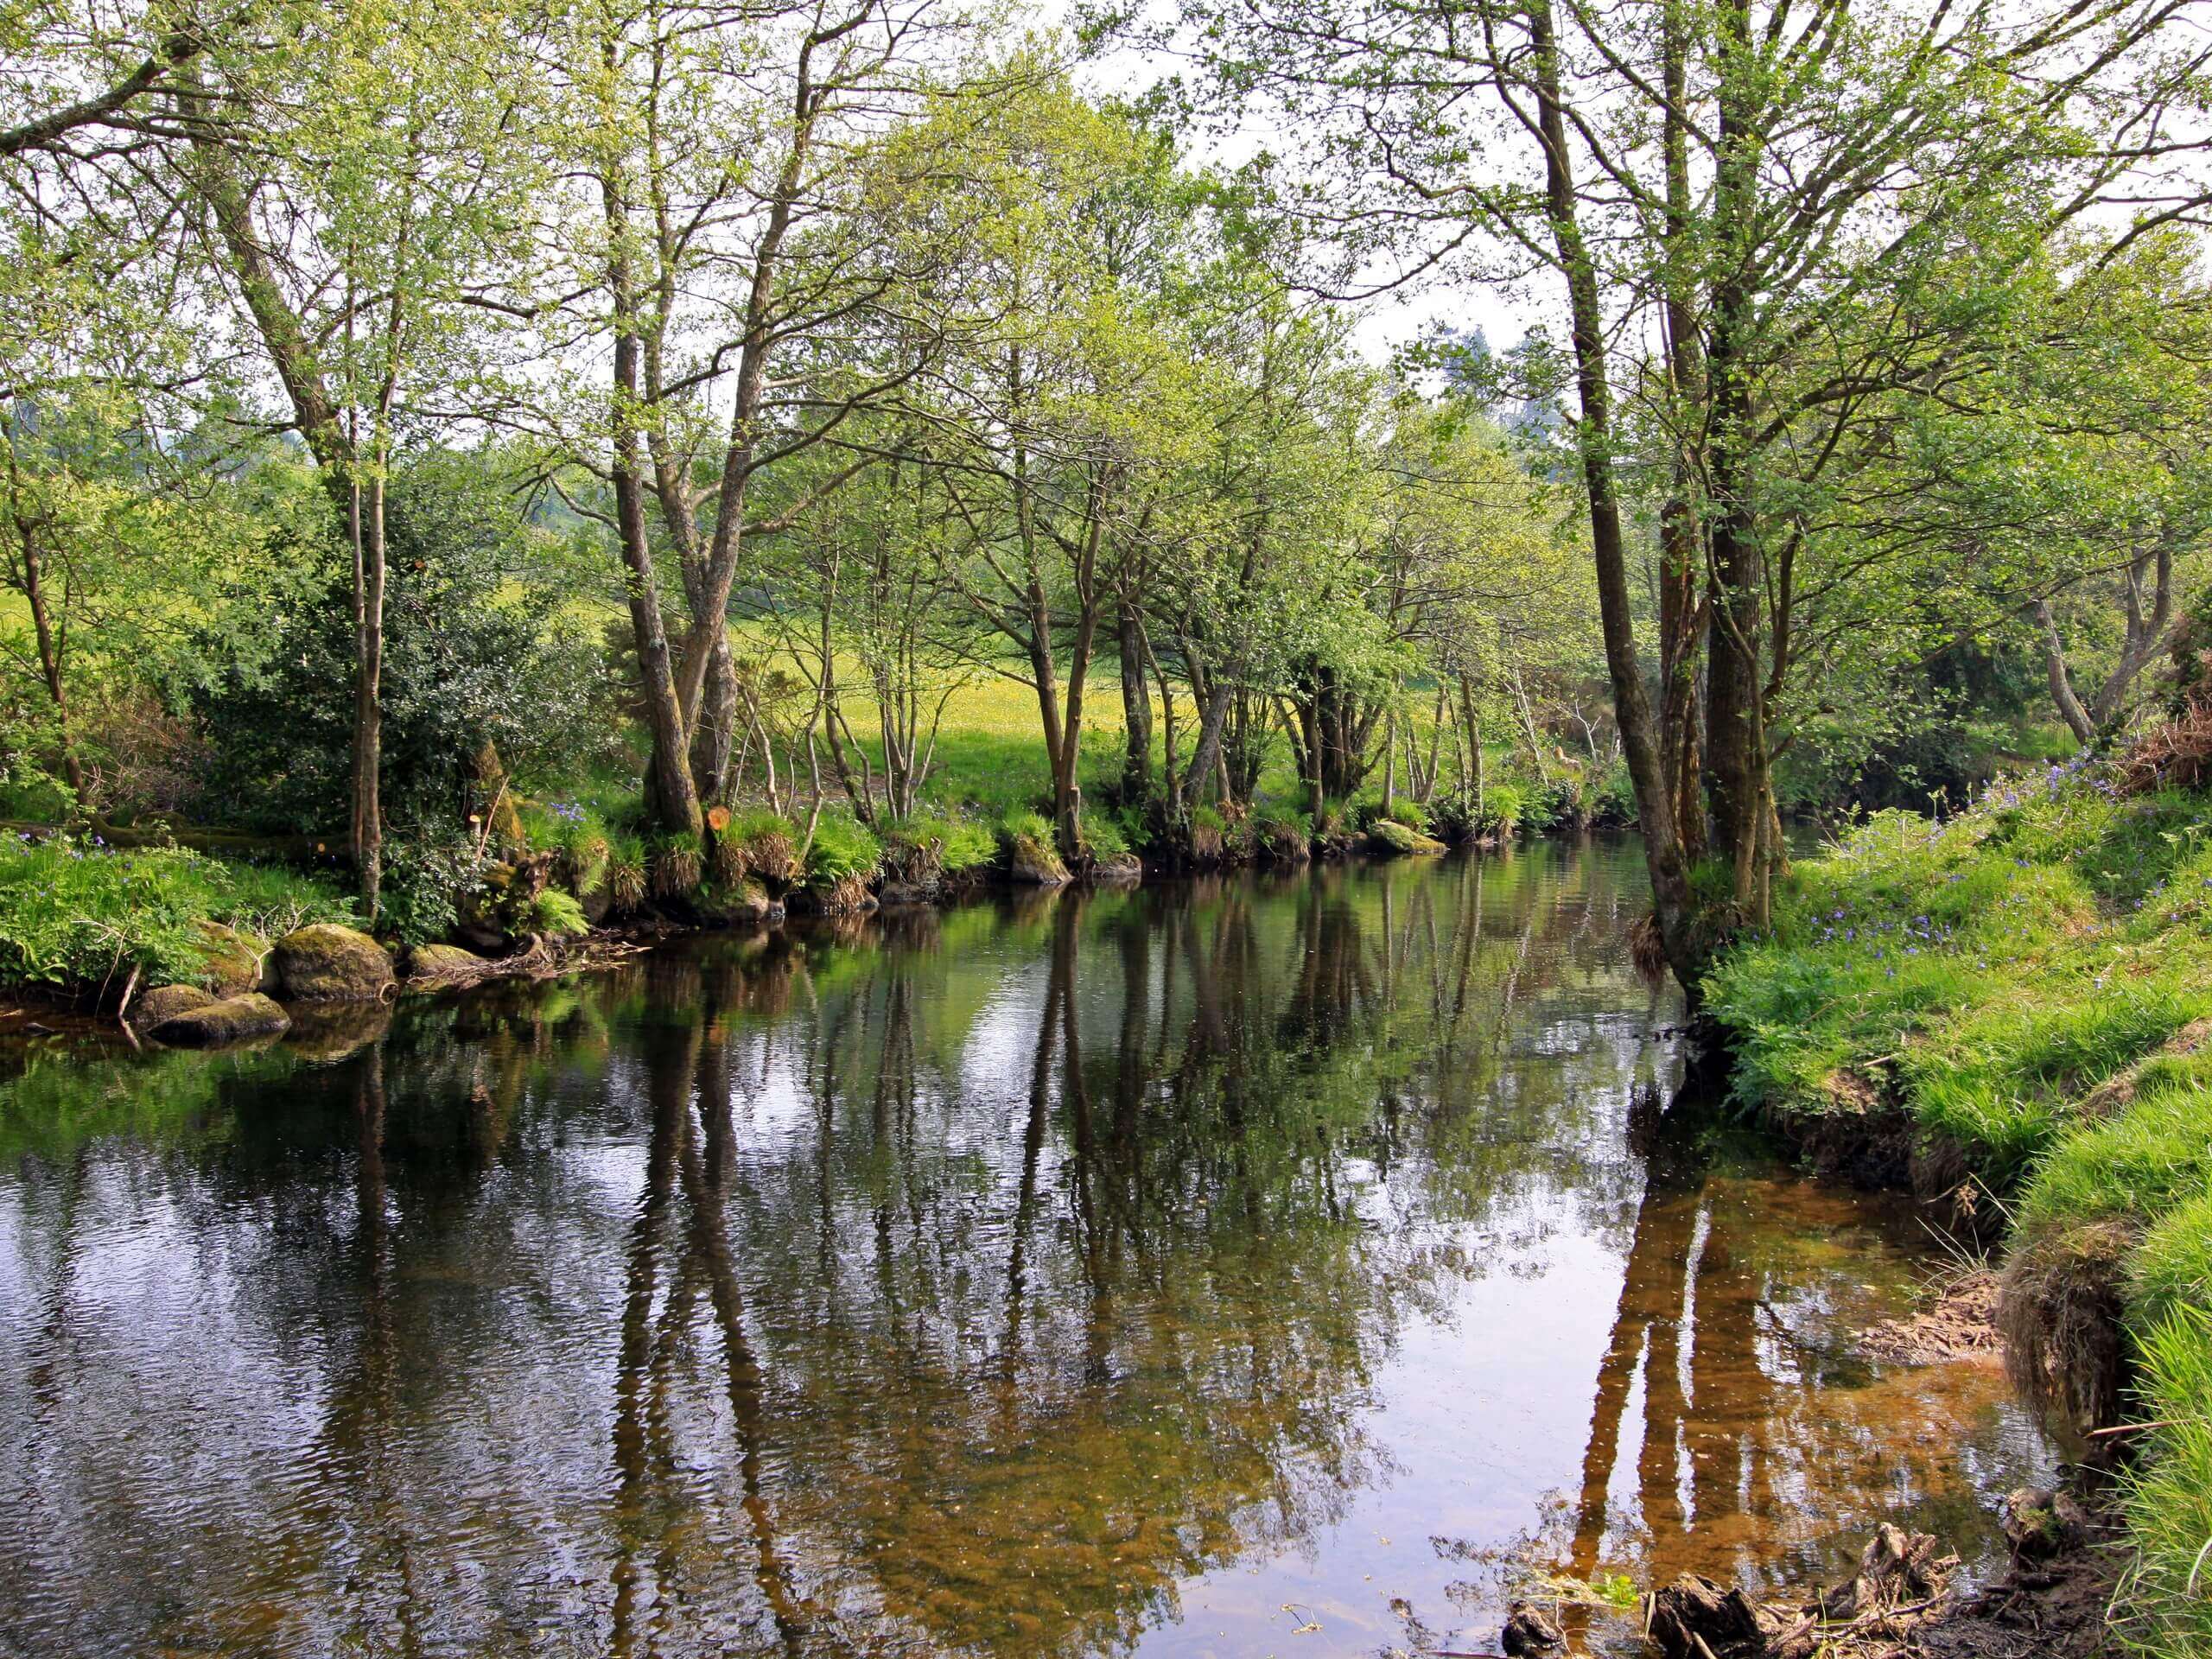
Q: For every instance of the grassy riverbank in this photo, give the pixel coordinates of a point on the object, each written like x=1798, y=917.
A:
x=2028, y=987
x=80, y=917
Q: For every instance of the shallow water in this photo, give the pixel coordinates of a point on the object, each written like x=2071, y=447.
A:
x=1241, y=1267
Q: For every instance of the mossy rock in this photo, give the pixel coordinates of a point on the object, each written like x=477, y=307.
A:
x=217, y=1025
x=1119, y=869
x=1034, y=864
x=1389, y=839
x=443, y=962
x=166, y=1002
x=746, y=904
x=235, y=961
x=332, y=1031
x=326, y=962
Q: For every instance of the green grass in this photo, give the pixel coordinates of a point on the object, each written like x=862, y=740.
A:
x=2017, y=979
x=2165, y=1605
x=78, y=916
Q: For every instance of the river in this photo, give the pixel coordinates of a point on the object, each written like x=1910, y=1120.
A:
x=1269, y=1265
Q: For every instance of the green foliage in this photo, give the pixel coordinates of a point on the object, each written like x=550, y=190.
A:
x=1103, y=834
x=427, y=874
x=626, y=871
x=466, y=661
x=843, y=850
x=1996, y=975
x=2167, y=1493
x=78, y=915
x=1024, y=824
x=556, y=913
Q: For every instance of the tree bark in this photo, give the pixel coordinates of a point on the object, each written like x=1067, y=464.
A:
x=1670, y=888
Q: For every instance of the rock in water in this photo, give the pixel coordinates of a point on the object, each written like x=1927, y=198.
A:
x=326, y=962
x=166, y=1002
x=1528, y=1632
x=1388, y=839
x=216, y=1024
x=1032, y=863
x=444, y=962
x=2040, y=1523
x=1696, y=1618
x=331, y=1030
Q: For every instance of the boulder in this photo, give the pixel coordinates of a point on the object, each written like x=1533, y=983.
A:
x=1120, y=869
x=1386, y=839
x=1032, y=863
x=165, y=1002
x=235, y=961
x=217, y=1025
x=326, y=962
x=443, y=962
x=746, y=904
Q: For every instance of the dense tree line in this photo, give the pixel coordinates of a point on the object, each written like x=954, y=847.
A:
x=363, y=360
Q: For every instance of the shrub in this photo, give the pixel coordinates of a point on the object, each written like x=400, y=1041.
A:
x=771, y=845
x=1411, y=813
x=464, y=663
x=920, y=849
x=425, y=877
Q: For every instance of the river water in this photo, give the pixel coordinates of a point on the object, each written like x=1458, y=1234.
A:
x=1263, y=1266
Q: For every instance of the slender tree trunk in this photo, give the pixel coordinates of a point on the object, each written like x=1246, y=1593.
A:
x=1631, y=704
x=675, y=796
x=49, y=661
x=368, y=826
x=1136, y=704
x=1736, y=761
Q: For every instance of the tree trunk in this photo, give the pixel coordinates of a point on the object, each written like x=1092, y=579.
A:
x=1136, y=705
x=673, y=795
x=49, y=660
x=1671, y=898
x=367, y=817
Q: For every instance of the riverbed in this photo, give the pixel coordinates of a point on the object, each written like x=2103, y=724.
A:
x=1297, y=1265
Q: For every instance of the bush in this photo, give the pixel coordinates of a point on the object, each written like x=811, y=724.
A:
x=466, y=662
x=426, y=876
x=928, y=844
x=1022, y=823
x=675, y=865
x=626, y=873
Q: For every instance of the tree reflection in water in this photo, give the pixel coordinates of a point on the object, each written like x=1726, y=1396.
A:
x=993, y=1281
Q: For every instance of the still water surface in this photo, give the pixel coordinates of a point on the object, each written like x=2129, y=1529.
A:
x=1266, y=1266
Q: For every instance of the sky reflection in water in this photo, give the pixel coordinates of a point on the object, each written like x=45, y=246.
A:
x=1249, y=1267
